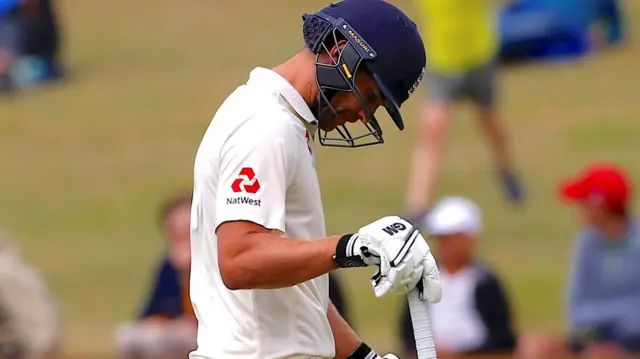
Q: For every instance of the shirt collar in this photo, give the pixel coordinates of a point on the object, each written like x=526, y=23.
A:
x=271, y=80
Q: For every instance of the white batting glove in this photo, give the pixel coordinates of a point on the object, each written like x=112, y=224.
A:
x=406, y=260
x=402, y=255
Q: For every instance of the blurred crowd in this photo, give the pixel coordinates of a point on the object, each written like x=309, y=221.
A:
x=29, y=44
x=475, y=316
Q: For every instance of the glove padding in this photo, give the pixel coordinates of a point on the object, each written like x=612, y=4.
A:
x=403, y=257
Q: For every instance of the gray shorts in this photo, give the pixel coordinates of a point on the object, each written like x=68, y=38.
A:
x=478, y=85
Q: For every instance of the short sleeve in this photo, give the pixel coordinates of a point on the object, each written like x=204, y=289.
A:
x=254, y=173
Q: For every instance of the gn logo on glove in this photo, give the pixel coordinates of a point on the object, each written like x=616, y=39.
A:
x=394, y=228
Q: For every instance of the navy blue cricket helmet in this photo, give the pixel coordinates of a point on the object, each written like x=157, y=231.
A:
x=379, y=37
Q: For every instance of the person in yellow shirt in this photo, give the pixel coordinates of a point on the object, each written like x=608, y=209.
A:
x=461, y=46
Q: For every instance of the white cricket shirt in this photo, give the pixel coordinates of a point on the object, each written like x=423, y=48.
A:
x=455, y=320
x=256, y=163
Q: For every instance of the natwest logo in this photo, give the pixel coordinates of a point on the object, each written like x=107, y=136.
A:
x=246, y=181
x=244, y=200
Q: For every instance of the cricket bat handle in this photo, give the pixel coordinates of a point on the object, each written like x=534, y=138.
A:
x=425, y=344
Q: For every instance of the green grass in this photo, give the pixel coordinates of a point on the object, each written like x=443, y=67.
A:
x=84, y=165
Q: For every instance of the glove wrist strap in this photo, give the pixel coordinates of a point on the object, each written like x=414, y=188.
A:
x=364, y=352
x=346, y=254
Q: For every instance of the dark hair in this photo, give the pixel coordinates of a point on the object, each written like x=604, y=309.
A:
x=172, y=204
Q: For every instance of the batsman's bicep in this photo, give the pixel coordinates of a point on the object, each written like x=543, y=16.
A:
x=234, y=236
x=238, y=244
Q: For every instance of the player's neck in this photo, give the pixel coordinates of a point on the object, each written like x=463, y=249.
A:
x=299, y=71
x=615, y=229
x=457, y=266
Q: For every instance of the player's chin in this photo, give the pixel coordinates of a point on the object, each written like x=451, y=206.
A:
x=328, y=125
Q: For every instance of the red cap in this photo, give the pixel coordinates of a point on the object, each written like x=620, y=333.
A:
x=604, y=184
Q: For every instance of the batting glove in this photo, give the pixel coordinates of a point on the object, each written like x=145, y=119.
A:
x=401, y=254
x=365, y=352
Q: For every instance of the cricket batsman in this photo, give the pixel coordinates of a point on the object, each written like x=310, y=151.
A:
x=260, y=253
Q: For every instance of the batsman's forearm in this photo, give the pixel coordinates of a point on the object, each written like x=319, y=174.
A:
x=277, y=262
x=346, y=339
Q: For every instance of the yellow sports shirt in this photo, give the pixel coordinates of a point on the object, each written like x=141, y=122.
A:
x=458, y=34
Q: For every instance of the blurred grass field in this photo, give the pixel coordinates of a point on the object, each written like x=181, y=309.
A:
x=85, y=164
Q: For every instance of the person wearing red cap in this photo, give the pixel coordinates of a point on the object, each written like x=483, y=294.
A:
x=604, y=289
x=604, y=190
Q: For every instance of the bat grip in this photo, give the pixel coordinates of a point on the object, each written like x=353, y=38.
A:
x=425, y=344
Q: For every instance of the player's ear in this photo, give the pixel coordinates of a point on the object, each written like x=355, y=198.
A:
x=334, y=53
